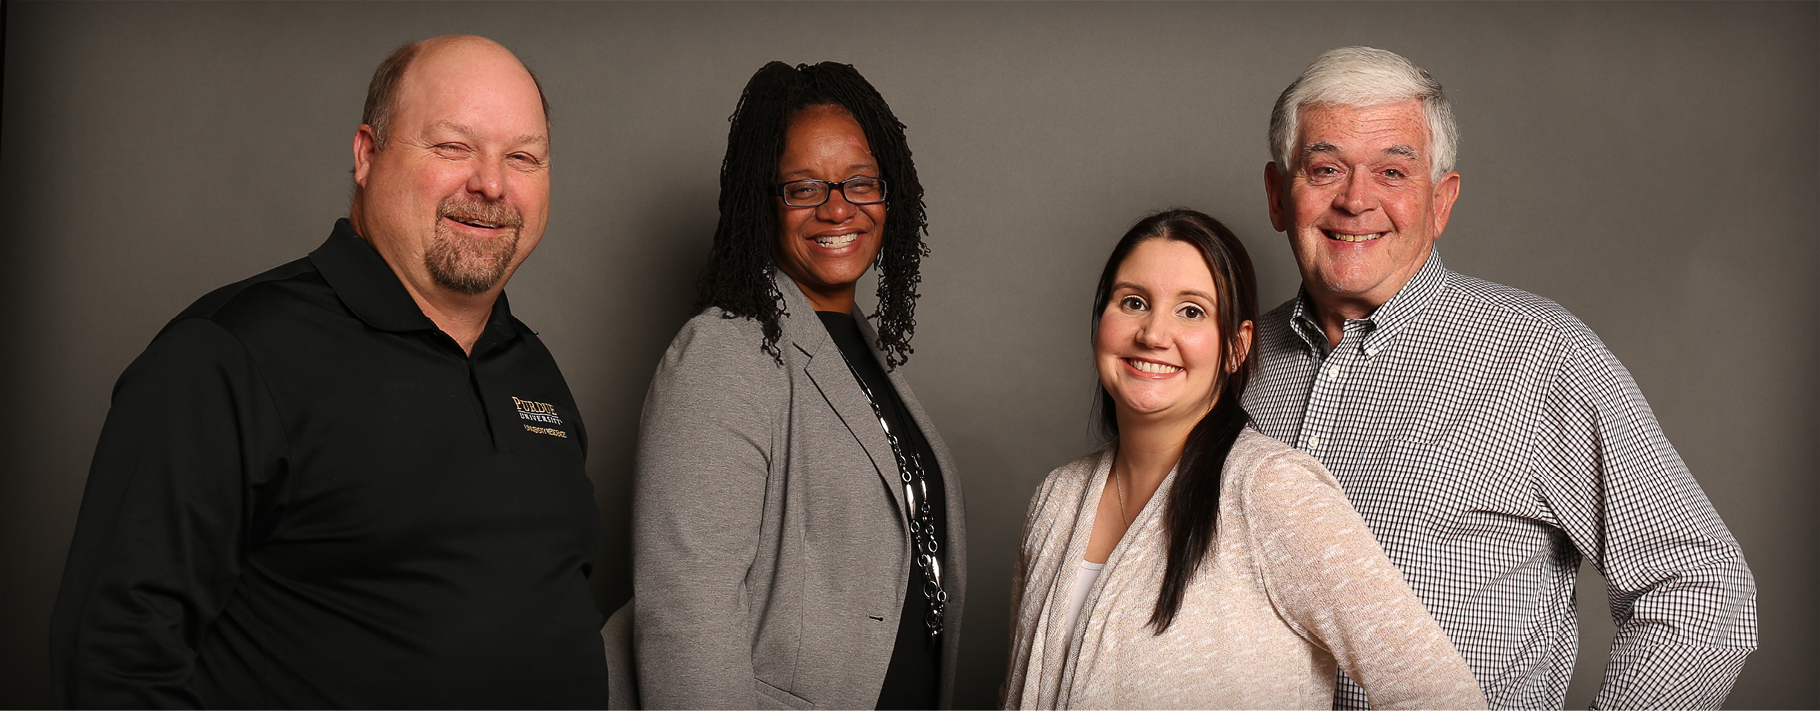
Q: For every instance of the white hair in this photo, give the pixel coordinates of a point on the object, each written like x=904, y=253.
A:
x=1364, y=76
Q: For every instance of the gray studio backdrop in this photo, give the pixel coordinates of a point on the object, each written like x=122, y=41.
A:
x=1651, y=166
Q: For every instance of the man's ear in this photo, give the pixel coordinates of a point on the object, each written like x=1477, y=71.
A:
x=1273, y=189
x=1446, y=192
x=366, y=144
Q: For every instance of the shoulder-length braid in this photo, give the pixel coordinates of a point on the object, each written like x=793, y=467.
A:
x=738, y=275
x=1191, y=515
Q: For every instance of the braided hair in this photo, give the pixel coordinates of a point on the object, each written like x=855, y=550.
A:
x=738, y=277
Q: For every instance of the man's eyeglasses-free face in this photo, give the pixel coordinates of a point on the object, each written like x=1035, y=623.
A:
x=862, y=190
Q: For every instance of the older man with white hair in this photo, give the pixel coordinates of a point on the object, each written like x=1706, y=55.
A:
x=1487, y=436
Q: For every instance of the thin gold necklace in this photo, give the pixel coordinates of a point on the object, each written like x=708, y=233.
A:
x=1118, y=485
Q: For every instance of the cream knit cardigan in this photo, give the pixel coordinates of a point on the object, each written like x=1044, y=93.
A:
x=1295, y=588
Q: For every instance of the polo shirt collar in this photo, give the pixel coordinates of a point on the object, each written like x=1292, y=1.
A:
x=501, y=328
x=1387, y=320
x=366, y=284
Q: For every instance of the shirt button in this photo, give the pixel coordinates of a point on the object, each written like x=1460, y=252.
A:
x=1371, y=351
x=1314, y=441
x=1333, y=372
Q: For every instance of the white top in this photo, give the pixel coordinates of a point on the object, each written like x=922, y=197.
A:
x=1083, y=583
x=1294, y=589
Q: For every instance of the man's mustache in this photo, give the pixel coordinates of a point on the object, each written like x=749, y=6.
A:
x=481, y=213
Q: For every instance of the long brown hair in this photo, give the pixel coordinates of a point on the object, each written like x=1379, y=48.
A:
x=1190, y=519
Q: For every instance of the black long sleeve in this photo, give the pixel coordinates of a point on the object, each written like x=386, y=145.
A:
x=191, y=446
x=306, y=495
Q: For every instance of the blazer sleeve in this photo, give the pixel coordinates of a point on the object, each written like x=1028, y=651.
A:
x=1333, y=585
x=705, y=451
x=191, y=441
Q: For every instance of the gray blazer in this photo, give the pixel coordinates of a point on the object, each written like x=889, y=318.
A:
x=770, y=549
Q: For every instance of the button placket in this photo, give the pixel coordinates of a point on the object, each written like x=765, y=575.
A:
x=1328, y=391
x=1317, y=420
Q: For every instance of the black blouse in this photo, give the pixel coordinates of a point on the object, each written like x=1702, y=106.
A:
x=913, y=680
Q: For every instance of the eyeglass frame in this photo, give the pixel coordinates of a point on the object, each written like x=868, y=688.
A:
x=883, y=184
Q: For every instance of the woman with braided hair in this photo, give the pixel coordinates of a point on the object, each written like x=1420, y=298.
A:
x=797, y=525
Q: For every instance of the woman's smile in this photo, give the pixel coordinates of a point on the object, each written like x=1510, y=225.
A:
x=1152, y=369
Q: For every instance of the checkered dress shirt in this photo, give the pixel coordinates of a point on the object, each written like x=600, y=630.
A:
x=1491, y=442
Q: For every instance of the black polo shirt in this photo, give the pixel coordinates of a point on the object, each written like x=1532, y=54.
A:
x=307, y=495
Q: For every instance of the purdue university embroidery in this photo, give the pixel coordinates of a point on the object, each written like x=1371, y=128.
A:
x=539, y=412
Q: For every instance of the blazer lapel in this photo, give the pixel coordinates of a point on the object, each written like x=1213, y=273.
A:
x=957, y=514
x=954, y=565
x=837, y=384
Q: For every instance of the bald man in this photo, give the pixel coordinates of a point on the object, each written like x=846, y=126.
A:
x=355, y=480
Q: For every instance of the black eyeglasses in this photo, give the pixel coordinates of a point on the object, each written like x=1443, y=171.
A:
x=862, y=190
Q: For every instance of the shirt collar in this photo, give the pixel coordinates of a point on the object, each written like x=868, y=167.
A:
x=502, y=327
x=1384, y=322
x=366, y=284
x=1302, y=321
